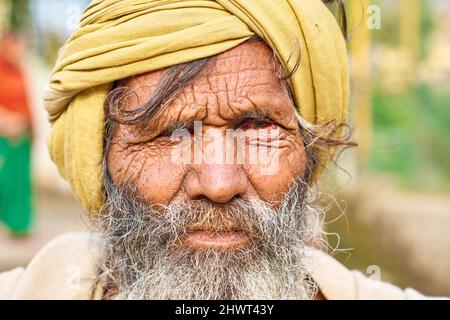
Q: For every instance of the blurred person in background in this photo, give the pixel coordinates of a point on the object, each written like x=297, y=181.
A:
x=15, y=139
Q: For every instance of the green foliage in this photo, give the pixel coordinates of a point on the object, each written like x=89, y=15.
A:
x=20, y=15
x=411, y=137
x=389, y=34
x=427, y=27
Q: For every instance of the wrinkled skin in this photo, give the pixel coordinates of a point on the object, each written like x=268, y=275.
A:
x=242, y=80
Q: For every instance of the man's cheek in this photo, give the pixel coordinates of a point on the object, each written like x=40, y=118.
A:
x=155, y=176
x=124, y=166
x=272, y=175
x=160, y=180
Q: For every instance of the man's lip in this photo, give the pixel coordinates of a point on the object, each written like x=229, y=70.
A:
x=224, y=239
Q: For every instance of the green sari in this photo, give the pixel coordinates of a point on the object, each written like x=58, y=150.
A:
x=15, y=184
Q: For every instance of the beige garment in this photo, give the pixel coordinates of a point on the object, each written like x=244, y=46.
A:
x=65, y=269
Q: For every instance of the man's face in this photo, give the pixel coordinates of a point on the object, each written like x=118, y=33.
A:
x=240, y=82
x=234, y=213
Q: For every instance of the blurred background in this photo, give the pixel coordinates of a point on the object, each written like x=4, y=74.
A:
x=390, y=201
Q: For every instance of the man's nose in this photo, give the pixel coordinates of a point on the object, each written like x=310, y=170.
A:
x=214, y=177
x=218, y=183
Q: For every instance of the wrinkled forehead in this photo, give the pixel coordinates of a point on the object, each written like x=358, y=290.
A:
x=250, y=64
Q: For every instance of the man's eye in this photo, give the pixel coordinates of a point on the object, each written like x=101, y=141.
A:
x=259, y=124
x=165, y=134
x=168, y=132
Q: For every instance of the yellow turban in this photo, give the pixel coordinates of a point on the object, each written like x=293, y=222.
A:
x=116, y=39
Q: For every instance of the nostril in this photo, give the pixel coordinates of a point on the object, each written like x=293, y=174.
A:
x=235, y=198
x=218, y=184
x=226, y=198
x=217, y=196
x=215, y=202
x=201, y=197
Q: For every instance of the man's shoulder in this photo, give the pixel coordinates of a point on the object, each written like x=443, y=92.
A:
x=9, y=281
x=65, y=268
x=337, y=282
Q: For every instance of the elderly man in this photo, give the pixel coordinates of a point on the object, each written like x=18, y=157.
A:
x=193, y=132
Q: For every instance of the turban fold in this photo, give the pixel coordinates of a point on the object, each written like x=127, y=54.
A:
x=116, y=39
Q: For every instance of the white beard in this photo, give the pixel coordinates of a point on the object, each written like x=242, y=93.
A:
x=145, y=260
